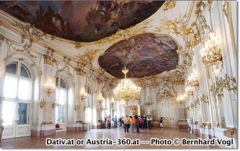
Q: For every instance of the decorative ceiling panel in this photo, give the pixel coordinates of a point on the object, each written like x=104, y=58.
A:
x=83, y=21
x=145, y=55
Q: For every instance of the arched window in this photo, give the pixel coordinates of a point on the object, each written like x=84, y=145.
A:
x=61, y=100
x=17, y=93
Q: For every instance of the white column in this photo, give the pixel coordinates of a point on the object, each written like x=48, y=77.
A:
x=3, y=54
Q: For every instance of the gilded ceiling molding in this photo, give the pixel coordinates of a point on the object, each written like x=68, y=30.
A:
x=120, y=34
x=88, y=57
x=126, y=34
x=170, y=4
x=200, y=7
x=80, y=72
x=30, y=31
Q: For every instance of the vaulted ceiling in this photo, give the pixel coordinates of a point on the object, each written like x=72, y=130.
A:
x=83, y=21
x=144, y=55
x=99, y=32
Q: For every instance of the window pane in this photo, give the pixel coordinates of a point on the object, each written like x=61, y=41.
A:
x=22, y=113
x=88, y=115
x=59, y=116
x=62, y=96
x=12, y=68
x=24, y=72
x=62, y=84
x=25, y=89
x=8, y=112
x=10, y=87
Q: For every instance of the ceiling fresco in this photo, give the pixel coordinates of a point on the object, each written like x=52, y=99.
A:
x=83, y=21
x=144, y=55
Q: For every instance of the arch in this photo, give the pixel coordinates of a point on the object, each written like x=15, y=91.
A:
x=66, y=75
x=24, y=55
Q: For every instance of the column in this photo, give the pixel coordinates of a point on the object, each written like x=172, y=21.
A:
x=3, y=54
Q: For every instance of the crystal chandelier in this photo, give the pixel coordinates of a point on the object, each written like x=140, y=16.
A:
x=126, y=89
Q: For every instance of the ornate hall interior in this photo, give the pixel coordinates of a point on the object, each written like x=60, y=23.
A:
x=63, y=76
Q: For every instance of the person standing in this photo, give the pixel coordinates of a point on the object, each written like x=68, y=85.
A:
x=149, y=121
x=144, y=122
x=126, y=123
x=161, y=122
x=132, y=123
x=137, y=122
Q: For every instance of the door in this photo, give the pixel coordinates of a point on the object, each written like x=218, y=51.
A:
x=16, y=119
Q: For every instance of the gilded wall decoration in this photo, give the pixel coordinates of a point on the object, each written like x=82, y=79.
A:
x=231, y=132
x=170, y=4
x=227, y=82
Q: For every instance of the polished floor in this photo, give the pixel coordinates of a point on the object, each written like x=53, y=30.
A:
x=159, y=136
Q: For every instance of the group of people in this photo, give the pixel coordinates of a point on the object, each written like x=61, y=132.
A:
x=132, y=122
x=144, y=122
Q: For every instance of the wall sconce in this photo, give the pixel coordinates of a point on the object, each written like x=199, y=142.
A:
x=149, y=102
x=76, y=107
x=42, y=104
x=211, y=53
x=193, y=79
x=50, y=87
x=83, y=94
x=100, y=98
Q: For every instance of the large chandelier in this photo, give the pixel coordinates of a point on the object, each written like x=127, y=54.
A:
x=126, y=90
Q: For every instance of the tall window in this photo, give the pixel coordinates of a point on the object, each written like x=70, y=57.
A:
x=61, y=100
x=17, y=93
x=88, y=109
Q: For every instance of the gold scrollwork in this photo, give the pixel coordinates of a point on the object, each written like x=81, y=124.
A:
x=30, y=31
x=204, y=99
x=170, y=4
x=231, y=132
x=206, y=125
x=48, y=60
x=200, y=6
x=227, y=82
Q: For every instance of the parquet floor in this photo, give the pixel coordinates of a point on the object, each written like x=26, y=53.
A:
x=113, y=134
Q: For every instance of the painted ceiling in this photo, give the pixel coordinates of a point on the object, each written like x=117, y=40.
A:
x=144, y=55
x=83, y=21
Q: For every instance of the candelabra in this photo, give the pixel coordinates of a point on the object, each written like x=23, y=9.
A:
x=50, y=87
x=83, y=94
